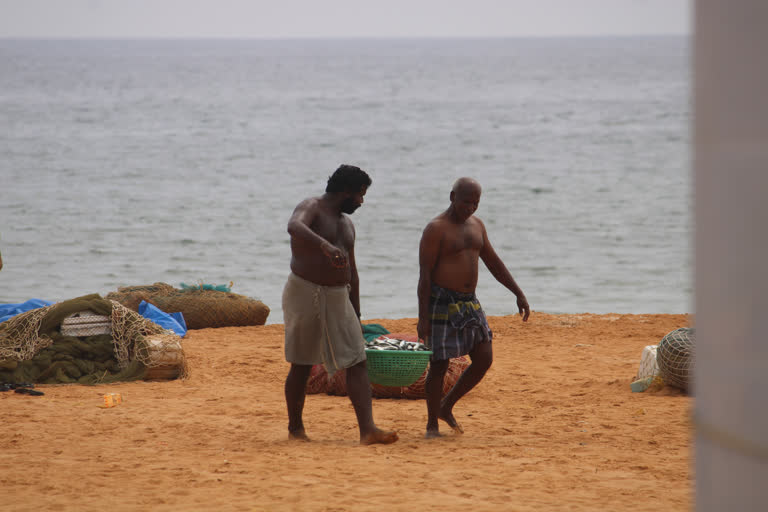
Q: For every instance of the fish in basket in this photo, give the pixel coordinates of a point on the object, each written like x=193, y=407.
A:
x=395, y=362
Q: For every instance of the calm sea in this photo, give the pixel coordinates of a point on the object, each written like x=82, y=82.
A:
x=131, y=162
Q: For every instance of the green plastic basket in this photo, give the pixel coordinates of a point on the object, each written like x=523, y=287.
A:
x=396, y=367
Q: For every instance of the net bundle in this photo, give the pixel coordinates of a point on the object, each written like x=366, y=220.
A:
x=33, y=349
x=19, y=336
x=202, y=308
x=674, y=356
x=138, y=340
x=320, y=382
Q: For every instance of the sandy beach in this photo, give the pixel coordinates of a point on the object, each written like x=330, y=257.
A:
x=554, y=426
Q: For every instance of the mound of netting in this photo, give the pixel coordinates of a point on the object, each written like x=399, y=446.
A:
x=674, y=356
x=320, y=382
x=201, y=308
x=33, y=349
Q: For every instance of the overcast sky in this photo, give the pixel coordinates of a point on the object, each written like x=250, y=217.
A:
x=340, y=18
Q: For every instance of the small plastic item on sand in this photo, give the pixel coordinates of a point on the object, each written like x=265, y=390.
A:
x=23, y=388
x=643, y=384
x=112, y=400
x=28, y=391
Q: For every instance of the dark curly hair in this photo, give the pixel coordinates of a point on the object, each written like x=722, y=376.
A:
x=348, y=178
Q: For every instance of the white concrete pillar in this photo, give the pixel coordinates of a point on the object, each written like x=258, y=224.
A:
x=730, y=162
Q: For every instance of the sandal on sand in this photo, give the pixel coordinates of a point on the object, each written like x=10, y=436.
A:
x=7, y=386
x=27, y=391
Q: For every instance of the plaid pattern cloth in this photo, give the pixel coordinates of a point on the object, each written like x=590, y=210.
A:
x=458, y=323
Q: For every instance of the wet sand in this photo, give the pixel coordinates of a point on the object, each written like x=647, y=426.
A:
x=554, y=426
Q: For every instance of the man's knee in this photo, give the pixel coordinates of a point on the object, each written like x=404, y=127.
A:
x=357, y=370
x=482, y=356
x=299, y=371
x=438, y=368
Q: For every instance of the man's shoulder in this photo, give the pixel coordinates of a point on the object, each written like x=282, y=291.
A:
x=434, y=223
x=476, y=221
x=442, y=223
x=436, y=228
x=440, y=219
x=347, y=219
x=310, y=202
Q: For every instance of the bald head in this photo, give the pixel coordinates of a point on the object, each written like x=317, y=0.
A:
x=465, y=198
x=466, y=185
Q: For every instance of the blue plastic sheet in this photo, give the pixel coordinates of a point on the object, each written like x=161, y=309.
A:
x=172, y=321
x=8, y=311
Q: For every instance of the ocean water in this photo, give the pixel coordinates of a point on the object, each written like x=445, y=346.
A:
x=131, y=162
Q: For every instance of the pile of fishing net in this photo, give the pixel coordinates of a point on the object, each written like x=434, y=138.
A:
x=202, y=306
x=320, y=382
x=674, y=356
x=33, y=348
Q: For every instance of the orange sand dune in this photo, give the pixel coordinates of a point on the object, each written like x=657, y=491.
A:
x=553, y=426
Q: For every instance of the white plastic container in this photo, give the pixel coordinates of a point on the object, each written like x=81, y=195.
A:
x=648, y=365
x=86, y=323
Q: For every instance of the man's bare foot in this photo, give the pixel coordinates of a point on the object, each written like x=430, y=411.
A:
x=447, y=416
x=432, y=434
x=298, y=435
x=379, y=436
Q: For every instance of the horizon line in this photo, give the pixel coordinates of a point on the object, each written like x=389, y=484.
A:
x=334, y=38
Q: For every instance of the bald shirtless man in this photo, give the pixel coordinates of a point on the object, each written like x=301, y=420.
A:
x=321, y=302
x=451, y=320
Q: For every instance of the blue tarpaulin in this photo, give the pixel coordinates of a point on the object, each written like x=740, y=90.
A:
x=172, y=321
x=10, y=310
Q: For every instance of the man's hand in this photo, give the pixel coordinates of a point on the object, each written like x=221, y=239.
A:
x=523, y=308
x=336, y=255
x=423, y=330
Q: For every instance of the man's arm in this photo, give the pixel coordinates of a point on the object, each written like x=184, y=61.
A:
x=354, y=281
x=500, y=272
x=429, y=250
x=299, y=228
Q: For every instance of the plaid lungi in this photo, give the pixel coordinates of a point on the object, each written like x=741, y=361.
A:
x=458, y=323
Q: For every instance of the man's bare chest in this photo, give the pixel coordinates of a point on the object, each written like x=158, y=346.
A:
x=463, y=239
x=337, y=231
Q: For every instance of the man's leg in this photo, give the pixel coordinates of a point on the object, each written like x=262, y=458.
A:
x=482, y=357
x=434, y=389
x=295, y=392
x=359, y=391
